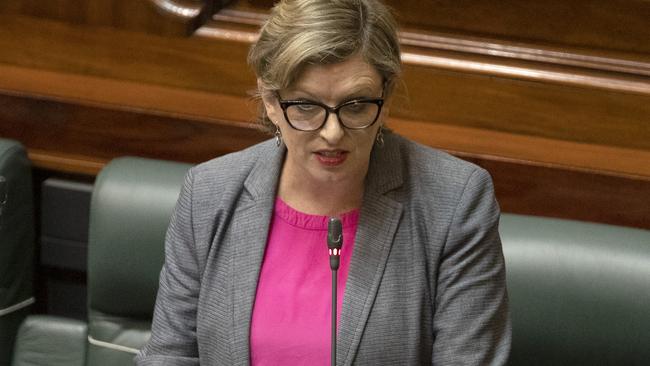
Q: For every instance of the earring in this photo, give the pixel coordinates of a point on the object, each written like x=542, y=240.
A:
x=278, y=136
x=380, y=137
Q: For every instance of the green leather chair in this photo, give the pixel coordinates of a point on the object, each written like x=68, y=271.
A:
x=16, y=243
x=579, y=292
x=130, y=209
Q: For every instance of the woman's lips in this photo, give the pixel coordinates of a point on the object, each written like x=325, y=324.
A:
x=331, y=158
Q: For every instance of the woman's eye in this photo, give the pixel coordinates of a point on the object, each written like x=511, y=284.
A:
x=356, y=108
x=306, y=107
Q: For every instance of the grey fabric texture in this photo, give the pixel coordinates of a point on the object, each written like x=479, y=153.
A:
x=426, y=283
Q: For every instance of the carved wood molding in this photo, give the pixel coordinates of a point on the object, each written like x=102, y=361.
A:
x=239, y=112
x=82, y=138
x=174, y=68
x=193, y=12
x=162, y=17
x=614, y=71
x=523, y=51
x=86, y=121
x=586, y=25
x=66, y=163
x=182, y=9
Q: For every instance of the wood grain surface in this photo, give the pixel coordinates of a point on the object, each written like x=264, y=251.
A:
x=553, y=98
x=163, y=17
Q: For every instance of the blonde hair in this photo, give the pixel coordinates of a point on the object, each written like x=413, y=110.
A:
x=306, y=32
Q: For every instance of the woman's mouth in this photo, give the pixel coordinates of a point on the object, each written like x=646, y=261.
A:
x=331, y=158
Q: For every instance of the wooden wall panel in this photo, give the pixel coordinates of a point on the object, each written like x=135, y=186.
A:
x=235, y=110
x=460, y=81
x=78, y=132
x=497, y=85
x=619, y=25
x=569, y=113
x=74, y=138
x=194, y=63
x=528, y=107
x=579, y=195
x=556, y=107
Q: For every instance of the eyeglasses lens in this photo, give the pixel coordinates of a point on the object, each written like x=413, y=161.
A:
x=310, y=117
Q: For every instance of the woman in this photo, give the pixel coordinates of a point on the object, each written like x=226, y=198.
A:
x=246, y=278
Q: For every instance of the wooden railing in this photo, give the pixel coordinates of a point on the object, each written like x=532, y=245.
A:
x=163, y=17
x=557, y=108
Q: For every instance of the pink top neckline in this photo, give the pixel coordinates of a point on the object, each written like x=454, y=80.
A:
x=309, y=221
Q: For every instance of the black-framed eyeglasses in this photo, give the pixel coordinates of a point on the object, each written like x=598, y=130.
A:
x=355, y=114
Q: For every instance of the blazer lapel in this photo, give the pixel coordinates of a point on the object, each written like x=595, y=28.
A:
x=378, y=223
x=251, y=223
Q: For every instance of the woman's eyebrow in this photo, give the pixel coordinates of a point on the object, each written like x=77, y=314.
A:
x=364, y=90
x=300, y=94
x=361, y=92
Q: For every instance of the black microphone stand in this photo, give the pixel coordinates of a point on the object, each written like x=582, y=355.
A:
x=334, y=244
x=333, y=346
x=4, y=188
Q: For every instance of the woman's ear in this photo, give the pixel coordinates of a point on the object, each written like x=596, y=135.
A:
x=269, y=100
x=390, y=95
x=385, y=112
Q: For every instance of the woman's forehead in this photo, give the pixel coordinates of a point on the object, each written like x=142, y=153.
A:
x=353, y=75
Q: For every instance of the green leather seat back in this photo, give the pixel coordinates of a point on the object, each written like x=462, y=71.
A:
x=16, y=243
x=579, y=292
x=130, y=209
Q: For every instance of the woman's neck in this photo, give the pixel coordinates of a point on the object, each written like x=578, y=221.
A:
x=320, y=199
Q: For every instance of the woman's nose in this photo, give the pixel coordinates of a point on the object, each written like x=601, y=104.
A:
x=332, y=131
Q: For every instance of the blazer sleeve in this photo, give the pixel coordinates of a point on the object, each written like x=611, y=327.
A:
x=471, y=321
x=173, y=338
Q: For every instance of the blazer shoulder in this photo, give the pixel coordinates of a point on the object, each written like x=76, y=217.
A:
x=429, y=167
x=437, y=183
x=230, y=168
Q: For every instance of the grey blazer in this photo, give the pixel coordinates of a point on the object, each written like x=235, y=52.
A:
x=426, y=283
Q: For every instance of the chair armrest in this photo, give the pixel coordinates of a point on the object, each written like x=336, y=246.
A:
x=50, y=341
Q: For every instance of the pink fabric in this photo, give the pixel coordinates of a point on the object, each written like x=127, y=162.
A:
x=291, y=317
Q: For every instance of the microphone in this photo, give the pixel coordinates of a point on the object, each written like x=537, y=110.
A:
x=334, y=241
x=334, y=244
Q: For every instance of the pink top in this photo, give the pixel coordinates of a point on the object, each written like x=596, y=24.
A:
x=292, y=317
